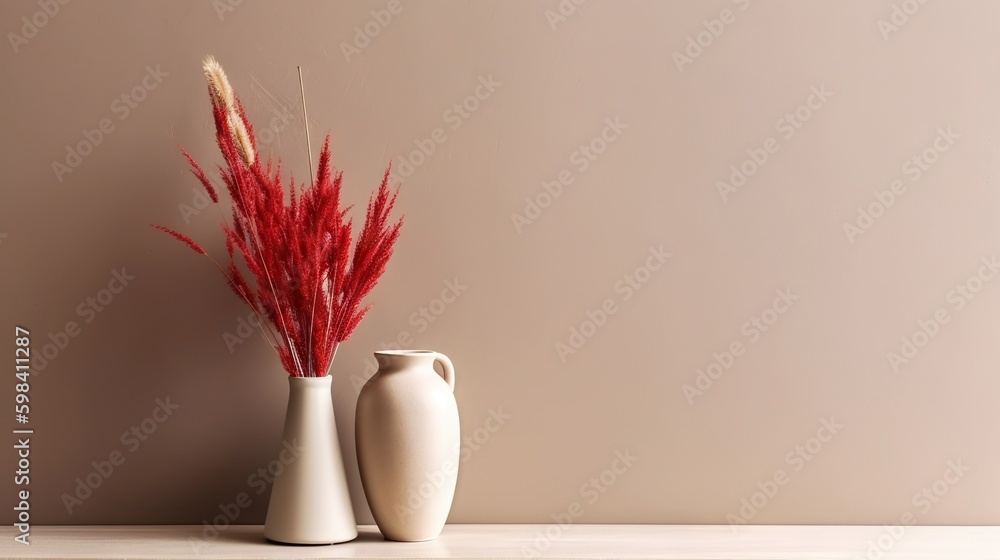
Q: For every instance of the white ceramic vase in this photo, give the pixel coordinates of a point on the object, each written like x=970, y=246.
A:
x=310, y=502
x=408, y=443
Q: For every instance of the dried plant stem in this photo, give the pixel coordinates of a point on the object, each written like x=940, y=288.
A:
x=336, y=347
x=312, y=183
x=305, y=121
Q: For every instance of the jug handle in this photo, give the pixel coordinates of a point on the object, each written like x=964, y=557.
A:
x=448, y=368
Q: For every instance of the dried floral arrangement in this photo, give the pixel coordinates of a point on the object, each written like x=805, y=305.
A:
x=308, y=285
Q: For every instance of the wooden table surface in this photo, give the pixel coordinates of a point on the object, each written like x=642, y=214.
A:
x=688, y=542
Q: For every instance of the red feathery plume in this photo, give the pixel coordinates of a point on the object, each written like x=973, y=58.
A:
x=183, y=239
x=296, y=245
x=200, y=174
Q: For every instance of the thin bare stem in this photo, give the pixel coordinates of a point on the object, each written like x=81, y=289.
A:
x=312, y=182
x=305, y=121
x=336, y=346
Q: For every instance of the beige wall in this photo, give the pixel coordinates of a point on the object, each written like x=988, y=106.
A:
x=867, y=100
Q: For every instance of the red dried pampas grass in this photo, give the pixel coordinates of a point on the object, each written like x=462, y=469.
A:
x=307, y=283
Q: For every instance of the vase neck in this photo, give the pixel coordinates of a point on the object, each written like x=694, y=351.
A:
x=399, y=360
x=302, y=385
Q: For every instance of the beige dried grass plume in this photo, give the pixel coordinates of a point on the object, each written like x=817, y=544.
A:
x=222, y=91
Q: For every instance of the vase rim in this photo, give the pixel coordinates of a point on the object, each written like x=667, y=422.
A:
x=298, y=379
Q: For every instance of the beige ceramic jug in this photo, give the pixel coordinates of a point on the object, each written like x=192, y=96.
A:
x=408, y=443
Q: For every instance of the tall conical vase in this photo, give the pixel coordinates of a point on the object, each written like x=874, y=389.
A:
x=310, y=502
x=408, y=443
